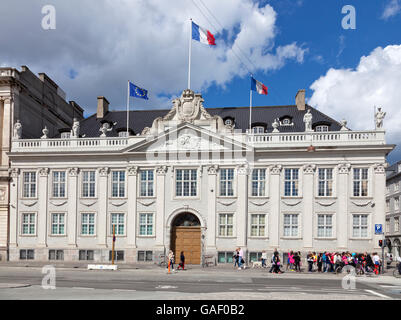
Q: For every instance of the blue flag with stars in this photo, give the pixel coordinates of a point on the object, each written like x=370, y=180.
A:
x=135, y=91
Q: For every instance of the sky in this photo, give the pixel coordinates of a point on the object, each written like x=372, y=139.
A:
x=286, y=44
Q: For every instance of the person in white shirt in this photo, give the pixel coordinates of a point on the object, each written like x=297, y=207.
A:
x=376, y=260
x=399, y=264
x=264, y=258
x=241, y=255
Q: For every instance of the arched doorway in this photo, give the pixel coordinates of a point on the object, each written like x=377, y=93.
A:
x=186, y=236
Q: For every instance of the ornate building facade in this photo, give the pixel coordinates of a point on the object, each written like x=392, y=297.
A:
x=393, y=209
x=200, y=181
x=40, y=104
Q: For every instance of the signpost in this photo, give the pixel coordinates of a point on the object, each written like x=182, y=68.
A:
x=114, y=240
x=379, y=230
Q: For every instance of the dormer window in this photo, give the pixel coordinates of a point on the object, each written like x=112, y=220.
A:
x=65, y=135
x=286, y=121
x=228, y=122
x=123, y=134
x=258, y=130
x=322, y=128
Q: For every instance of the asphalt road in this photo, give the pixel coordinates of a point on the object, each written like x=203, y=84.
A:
x=154, y=283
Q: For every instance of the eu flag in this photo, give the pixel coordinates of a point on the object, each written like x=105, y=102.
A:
x=135, y=91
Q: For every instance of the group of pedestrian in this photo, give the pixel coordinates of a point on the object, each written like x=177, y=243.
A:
x=171, y=260
x=329, y=261
x=239, y=259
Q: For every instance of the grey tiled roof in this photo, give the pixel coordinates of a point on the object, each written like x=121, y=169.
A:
x=392, y=171
x=140, y=119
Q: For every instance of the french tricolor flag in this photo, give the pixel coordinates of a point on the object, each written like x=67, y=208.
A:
x=202, y=35
x=257, y=86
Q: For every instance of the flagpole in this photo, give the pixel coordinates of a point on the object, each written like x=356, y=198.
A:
x=190, y=53
x=128, y=109
x=250, y=111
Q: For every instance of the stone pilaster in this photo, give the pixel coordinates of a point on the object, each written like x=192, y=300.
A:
x=160, y=205
x=342, y=212
x=132, y=206
x=308, y=212
x=14, y=187
x=43, y=207
x=242, y=207
x=72, y=214
x=379, y=217
x=211, y=208
x=274, y=215
x=102, y=195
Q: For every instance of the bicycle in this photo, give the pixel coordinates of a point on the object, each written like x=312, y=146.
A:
x=162, y=261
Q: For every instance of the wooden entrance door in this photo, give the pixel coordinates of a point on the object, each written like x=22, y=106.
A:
x=187, y=239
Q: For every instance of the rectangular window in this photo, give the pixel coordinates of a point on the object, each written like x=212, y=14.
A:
x=258, y=226
x=186, y=183
x=27, y=254
x=58, y=224
x=56, y=255
x=147, y=183
x=255, y=256
x=290, y=225
x=28, y=223
x=117, y=219
x=227, y=182
x=59, y=184
x=396, y=225
x=396, y=203
x=225, y=257
x=325, y=182
x=259, y=182
x=86, y=255
x=360, y=225
x=146, y=224
x=387, y=225
x=387, y=205
x=291, y=177
x=145, y=256
x=396, y=186
x=361, y=182
x=118, y=255
x=88, y=224
x=118, y=184
x=324, y=225
x=88, y=184
x=29, y=184
x=226, y=225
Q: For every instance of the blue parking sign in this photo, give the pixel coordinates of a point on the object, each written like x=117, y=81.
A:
x=378, y=229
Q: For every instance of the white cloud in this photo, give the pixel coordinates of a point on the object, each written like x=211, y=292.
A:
x=352, y=93
x=144, y=41
x=392, y=8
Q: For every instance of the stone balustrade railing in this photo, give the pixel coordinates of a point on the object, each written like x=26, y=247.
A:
x=266, y=140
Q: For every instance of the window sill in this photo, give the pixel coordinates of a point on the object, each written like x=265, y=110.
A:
x=325, y=238
x=58, y=235
x=146, y=237
x=290, y=238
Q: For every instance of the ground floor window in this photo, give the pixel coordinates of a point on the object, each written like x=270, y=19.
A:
x=56, y=255
x=118, y=255
x=324, y=225
x=145, y=255
x=86, y=255
x=27, y=254
x=255, y=256
x=225, y=257
x=290, y=225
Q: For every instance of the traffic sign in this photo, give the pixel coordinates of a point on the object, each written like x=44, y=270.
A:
x=378, y=229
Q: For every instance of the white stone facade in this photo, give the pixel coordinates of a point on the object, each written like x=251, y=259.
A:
x=287, y=213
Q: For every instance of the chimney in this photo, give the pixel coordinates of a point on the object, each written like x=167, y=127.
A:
x=300, y=100
x=102, y=107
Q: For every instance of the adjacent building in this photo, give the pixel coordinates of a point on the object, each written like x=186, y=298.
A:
x=199, y=180
x=37, y=102
x=393, y=211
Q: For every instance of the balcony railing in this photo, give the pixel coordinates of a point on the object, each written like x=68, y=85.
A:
x=265, y=140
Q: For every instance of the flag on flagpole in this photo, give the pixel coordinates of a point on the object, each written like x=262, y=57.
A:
x=135, y=91
x=202, y=35
x=257, y=86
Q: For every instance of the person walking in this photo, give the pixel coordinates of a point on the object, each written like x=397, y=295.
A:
x=319, y=262
x=241, y=259
x=264, y=258
x=277, y=263
x=309, y=259
x=297, y=262
x=272, y=260
x=236, y=257
x=171, y=259
x=182, y=261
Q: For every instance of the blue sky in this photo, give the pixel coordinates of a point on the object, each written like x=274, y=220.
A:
x=293, y=44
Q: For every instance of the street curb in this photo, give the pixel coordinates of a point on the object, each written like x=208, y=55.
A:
x=13, y=285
